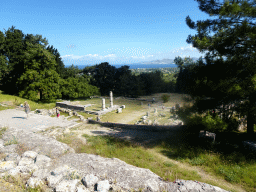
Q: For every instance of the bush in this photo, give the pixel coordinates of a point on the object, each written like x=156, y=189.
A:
x=214, y=124
x=197, y=122
x=165, y=98
x=233, y=124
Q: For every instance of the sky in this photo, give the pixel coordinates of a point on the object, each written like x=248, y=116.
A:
x=114, y=31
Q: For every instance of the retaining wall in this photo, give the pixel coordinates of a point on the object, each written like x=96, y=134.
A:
x=157, y=128
x=67, y=105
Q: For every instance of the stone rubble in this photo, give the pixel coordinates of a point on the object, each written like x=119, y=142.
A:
x=250, y=145
x=65, y=178
x=69, y=171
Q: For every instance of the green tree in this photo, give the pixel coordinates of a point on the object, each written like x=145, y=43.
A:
x=123, y=81
x=3, y=60
x=13, y=50
x=184, y=79
x=234, y=39
x=71, y=71
x=40, y=76
x=104, y=78
x=73, y=88
x=60, y=65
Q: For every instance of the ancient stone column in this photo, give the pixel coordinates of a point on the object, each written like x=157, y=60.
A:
x=103, y=104
x=111, y=99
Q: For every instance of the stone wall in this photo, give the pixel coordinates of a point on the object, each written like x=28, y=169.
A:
x=68, y=105
x=158, y=128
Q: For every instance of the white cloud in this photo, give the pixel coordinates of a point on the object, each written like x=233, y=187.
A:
x=124, y=58
x=71, y=46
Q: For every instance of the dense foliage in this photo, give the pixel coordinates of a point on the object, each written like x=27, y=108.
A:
x=123, y=82
x=228, y=76
x=30, y=69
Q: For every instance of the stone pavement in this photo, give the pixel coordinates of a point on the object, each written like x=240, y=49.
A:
x=13, y=118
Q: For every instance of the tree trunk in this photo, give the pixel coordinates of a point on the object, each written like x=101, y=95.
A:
x=250, y=119
x=41, y=95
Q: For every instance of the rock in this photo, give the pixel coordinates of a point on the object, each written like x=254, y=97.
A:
x=149, y=122
x=63, y=176
x=207, y=135
x=144, y=117
x=79, y=172
x=155, y=122
x=249, y=145
x=162, y=115
x=81, y=117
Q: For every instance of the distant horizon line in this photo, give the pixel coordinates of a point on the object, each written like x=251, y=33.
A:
x=129, y=64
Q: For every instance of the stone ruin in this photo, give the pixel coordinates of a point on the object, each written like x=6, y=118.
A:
x=51, y=112
x=68, y=105
x=207, y=135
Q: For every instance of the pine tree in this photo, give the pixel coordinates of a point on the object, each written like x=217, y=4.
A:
x=234, y=39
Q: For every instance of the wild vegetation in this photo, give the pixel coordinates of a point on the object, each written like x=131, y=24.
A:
x=181, y=156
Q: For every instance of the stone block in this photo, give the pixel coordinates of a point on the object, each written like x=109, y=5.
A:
x=34, y=182
x=67, y=186
x=207, y=135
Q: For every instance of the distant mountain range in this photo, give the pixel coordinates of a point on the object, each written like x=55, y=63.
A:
x=165, y=61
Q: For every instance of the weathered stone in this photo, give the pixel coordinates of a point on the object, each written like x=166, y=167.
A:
x=111, y=99
x=103, y=104
x=250, y=145
x=144, y=117
x=149, y=122
x=80, y=172
x=207, y=135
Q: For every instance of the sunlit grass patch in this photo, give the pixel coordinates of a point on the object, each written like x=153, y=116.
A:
x=133, y=154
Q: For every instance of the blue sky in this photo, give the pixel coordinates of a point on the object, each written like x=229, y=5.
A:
x=114, y=31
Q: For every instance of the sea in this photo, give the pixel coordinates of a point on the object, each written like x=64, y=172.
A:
x=134, y=66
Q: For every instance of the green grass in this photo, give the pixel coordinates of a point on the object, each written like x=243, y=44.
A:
x=16, y=101
x=240, y=170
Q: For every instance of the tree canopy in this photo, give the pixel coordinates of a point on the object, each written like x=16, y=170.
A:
x=31, y=69
x=233, y=39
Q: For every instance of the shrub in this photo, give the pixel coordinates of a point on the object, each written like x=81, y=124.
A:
x=165, y=98
x=214, y=124
x=233, y=124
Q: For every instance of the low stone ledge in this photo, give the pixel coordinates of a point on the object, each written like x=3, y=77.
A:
x=207, y=135
x=158, y=128
x=250, y=145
